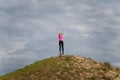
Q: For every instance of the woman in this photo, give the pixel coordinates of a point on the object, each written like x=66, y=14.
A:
x=61, y=43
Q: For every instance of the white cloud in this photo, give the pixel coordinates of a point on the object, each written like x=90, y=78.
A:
x=28, y=28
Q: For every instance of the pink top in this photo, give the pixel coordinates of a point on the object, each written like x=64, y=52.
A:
x=60, y=37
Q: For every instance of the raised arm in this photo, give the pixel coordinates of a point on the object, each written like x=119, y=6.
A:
x=57, y=32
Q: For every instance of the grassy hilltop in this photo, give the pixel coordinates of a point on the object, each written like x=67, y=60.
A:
x=65, y=68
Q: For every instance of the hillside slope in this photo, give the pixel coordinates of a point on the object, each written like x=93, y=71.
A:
x=65, y=68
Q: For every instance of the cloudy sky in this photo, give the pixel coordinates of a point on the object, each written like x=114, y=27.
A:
x=28, y=30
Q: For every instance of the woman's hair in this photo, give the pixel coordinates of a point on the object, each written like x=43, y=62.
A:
x=60, y=33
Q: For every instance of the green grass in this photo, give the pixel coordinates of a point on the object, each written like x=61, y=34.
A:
x=28, y=70
x=39, y=68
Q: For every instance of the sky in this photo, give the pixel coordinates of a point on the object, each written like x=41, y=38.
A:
x=28, y=30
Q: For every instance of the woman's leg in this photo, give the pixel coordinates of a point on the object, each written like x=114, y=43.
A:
x=62, y=47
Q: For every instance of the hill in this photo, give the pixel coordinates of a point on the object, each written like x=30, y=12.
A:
x=65, y=68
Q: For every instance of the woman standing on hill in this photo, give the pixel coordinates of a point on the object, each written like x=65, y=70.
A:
x=61, y=43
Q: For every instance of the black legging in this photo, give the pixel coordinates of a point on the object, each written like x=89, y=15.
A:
x=61, y=46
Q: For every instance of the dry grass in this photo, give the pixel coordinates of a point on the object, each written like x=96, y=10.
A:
x=65, y=68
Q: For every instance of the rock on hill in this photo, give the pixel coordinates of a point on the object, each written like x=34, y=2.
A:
x=65, y=68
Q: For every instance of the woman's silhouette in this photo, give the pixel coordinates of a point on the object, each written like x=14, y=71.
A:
x=61, y=43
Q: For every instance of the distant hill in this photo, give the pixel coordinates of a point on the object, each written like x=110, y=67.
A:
x=65, y=68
